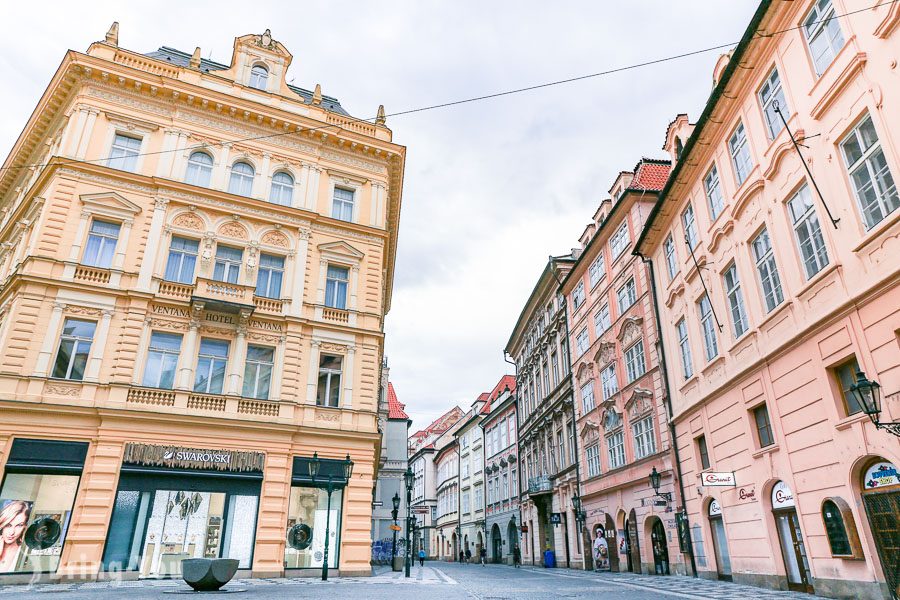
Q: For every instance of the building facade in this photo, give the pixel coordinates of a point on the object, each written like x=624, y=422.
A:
x=774, y=295
x=446, y=466
x=196, y=261
x=501, y=472
x=620, y=407
x=390, y=482
x=547, y=441
x=470, y=439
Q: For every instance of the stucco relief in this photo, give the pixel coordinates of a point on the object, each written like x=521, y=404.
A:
x=639, y=404
x=612, y=420
x=262, y=337
x=275, y=238
x=630, y=330
x=83, y=310
x=233, y=229
x=328, y=417
x=167, y=324
x=230, y=125
x=189, y=221
x=584, y=371
x=56, y=389
x=327, y=347
x=134, y=100
x=606, y=353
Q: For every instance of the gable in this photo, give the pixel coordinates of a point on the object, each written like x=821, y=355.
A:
x=110, y=203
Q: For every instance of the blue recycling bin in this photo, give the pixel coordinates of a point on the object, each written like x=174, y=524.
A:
x=549, y=559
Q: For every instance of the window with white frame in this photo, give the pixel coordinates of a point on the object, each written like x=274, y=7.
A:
x=687, y=364
x=602, y=321
x=282, y=189
x=211, y=362
x=342, y=204
x=259, y=75
x=735, y=296
x=710, y=344
x=199, y=169
x=823, y=34
x=124, y=152
x=258, y=372
x=876, y=192
x=690, y=227
x=807, y=232
x=504, y=436
x=620, y=240
x=101, y=244
x=270, y=276
x=479, y=498
x=634, y=361
x=626, y=296
x=597, y=270
x=740, y=153
x=764, y=257
x=592, y=453
x=241, y=182
x=74, y=349
x=587, y=397
x=328, y=392
x=671, y=257
x=465, y=469
x=182, y=260
x=465, y=502
x=578, y=296
x=582, y=342
x=336, y=283
x=608, y=381
x=771, y=95
x=228, y=264
x=615, y=449
x=162, y=360
x=554, y=364
x=644, y=440
x=713, y=193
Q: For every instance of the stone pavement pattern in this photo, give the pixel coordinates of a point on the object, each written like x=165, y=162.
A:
x=436, y=580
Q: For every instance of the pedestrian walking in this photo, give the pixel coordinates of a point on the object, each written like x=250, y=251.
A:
x=468, y=555
x=517, y=557
x=421, y=558
x=483, y=554
x=462, y=556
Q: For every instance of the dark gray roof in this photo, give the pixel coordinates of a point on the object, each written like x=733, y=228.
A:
x=183, y=59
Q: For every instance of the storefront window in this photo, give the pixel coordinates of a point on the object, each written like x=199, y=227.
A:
x=835, y=529
x=307, y=510
x=34, y=517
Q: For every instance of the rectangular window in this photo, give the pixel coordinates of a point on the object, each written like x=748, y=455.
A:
x=768, y=271
x=615, y=449
x=872, y=181
x=546, y=372
x=587, y=397
x=713, y=193
x=581, y=341
x=258, y=372
x=182, y=260
x=771, y=95
x=74, y=348
x=740, y=153
x=554, y=364
x=808, y=232
x=342, y=204
x=690, y=227
x=687, y=364
x=702, y=452
x=602, y=321
x=593, y=460
x=763, y=426
x=644, y=440
x=101, y=244
x=710, y=345
x=608, y=382
x=270, y=276
x=846, y=377
x=634, y=361
x=228, y=264
x=735, y=301
x=336, y=283
x=597, y=270
x=626, y=296
x=124, y=152
x=561, y=449
x=162, y=359
x=671, y=257
x=465, y=502
x=328, y=392
x=465, y=469
x=211, y=363
x=504, y=436
x=620, y=240
x=823, y=34
x=578, y=296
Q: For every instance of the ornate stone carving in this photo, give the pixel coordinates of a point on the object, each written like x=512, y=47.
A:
x=216, y=330
x=167, y=324
x=275, y=238
x=612, y=420
x=606, y=353
x=639, y=404
x=189, y=221
x=83, y=310
x=262, y=337
x=58, y=389
x=333, y=347
x=233, y=230
x=329, y=417
x=630, y=330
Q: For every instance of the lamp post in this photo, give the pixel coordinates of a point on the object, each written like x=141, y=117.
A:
x=580, y=519
x=408, y=479
x=655, y=479
x=868, y=394
x=314, y=466
x=396, y=501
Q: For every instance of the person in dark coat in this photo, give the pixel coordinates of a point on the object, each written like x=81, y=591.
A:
x=468, y=555
x=517, y=557
x=462, y=556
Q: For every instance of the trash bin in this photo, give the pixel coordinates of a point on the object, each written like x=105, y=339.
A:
x=398, y=563
x=549, y=559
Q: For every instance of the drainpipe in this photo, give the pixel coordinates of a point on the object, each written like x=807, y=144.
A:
x=667, y=398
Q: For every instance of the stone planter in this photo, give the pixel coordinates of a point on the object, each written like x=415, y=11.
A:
x=208, y=574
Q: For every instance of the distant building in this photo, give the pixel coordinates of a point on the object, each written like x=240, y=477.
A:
x=501, y=471
x=471, y=478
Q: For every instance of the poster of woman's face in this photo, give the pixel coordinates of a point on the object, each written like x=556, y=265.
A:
x=14, y=517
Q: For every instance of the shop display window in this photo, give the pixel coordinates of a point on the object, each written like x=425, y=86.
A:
x=305, y=548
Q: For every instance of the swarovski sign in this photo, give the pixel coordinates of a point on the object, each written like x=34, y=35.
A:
x=714, y=479
x=201, y=456
x=177, y=457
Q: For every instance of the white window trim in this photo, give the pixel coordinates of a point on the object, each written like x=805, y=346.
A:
x=347, y=181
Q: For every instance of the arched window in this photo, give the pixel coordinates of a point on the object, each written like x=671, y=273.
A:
x=282, y=188
x=835, y=529
x=199, y=169
x=241, y=179
x=259, y=75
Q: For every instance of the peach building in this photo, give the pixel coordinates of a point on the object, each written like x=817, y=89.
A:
x=196, y=262
x=772, y=297
x=619, y=387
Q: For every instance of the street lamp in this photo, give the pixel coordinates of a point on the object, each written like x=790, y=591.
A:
x=396, y=501
x=408, y=479
x=655, y=478
x=314, y=466
x=868, y=394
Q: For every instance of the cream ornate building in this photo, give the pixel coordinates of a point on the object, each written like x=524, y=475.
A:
x=196, y=263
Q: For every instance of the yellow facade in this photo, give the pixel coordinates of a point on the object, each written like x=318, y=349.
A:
x=74, y=171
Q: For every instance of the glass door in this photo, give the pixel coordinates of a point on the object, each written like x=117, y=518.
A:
x=793, y=550
x=720, y=545
x=181, y=525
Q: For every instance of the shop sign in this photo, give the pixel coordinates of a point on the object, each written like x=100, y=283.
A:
x=179, y=457
x=714, y=508
x=714, y=479
x=881, y=475
x=782, y=496
x=747, y=494
x=555, y=518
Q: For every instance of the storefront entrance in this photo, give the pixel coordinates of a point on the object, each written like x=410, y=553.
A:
x=611, y=542
x=633, y=546
x=496, y=544
x=881, y=496
x=793, y=550
x=720, y=541
x=660, y=548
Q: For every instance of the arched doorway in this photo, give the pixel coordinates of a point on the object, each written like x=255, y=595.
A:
x=600, y=550
x=455, y=546
x=512, y=539
x=881, y=497
x=633, y=544
x=479, y=544
x=793, y=550
x=720, y=541
x=612, y=542
x=659, y=543
x=496, y=544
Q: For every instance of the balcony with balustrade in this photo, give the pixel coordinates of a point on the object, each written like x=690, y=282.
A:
x=539, y=485
x=221, y=296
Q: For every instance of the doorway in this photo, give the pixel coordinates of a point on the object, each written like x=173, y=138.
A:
x=633, y=547
x=610, y=532
x=720, y=541
x=883, y=510
x=793, y=550
x=660, y=547
x=496, y=544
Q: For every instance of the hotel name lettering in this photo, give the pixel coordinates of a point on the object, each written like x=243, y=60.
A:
x=214, y=317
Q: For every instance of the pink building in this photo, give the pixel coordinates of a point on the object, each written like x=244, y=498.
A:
x=773, y=296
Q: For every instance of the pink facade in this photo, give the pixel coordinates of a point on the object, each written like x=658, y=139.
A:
x=768, y=308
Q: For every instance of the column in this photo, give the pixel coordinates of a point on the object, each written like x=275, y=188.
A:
x=278, y=369
x=354, y=287
x=320, y=288
x=313, y=378
x=73, y=132
x=299, y=200
x=298, y=277
x=68, y=130
x=98, y=347
x=80, y=234
x=312, y=189
x=260, y=182
x=235, y=376
x=179, y=160
x=347, y=379
x=186, y=359
x=150, y=249
x=167, y=156
x=143, y=344
x=220, y=169
x=122, y=244
x=86, y=134
x=42, y=366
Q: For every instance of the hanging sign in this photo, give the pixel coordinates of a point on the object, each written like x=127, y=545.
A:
x=555, y=518
x=714, y=479
x=178, y=457
x=782, y=496
x=714, y=508
x=881, y=475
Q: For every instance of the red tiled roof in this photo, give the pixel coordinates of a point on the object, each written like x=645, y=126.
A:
x=507, y=381
x=651, y=175
x=395, y=408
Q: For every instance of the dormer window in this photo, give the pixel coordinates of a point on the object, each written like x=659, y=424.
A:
x=259, y=76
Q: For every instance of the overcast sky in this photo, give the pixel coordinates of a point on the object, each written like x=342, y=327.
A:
x=492, y=188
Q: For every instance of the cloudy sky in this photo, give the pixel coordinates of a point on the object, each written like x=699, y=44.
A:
x=492, y=188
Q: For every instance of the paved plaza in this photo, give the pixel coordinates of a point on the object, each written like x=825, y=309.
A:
x=435, y=580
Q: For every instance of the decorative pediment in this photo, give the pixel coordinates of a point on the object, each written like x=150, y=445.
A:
x=781, y=151
x=589, y=430
x=630, y=329
x=111, y=204
x=720, y=234
x=233, y=229
x=640, y=403
x=340, y=250
x=605, y=353
x=749, y=192
x=612, y=420
x=584, y=371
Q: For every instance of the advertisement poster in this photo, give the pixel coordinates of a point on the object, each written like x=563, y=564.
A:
x=601, y=552
x=14, y=518
x=318, y=543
